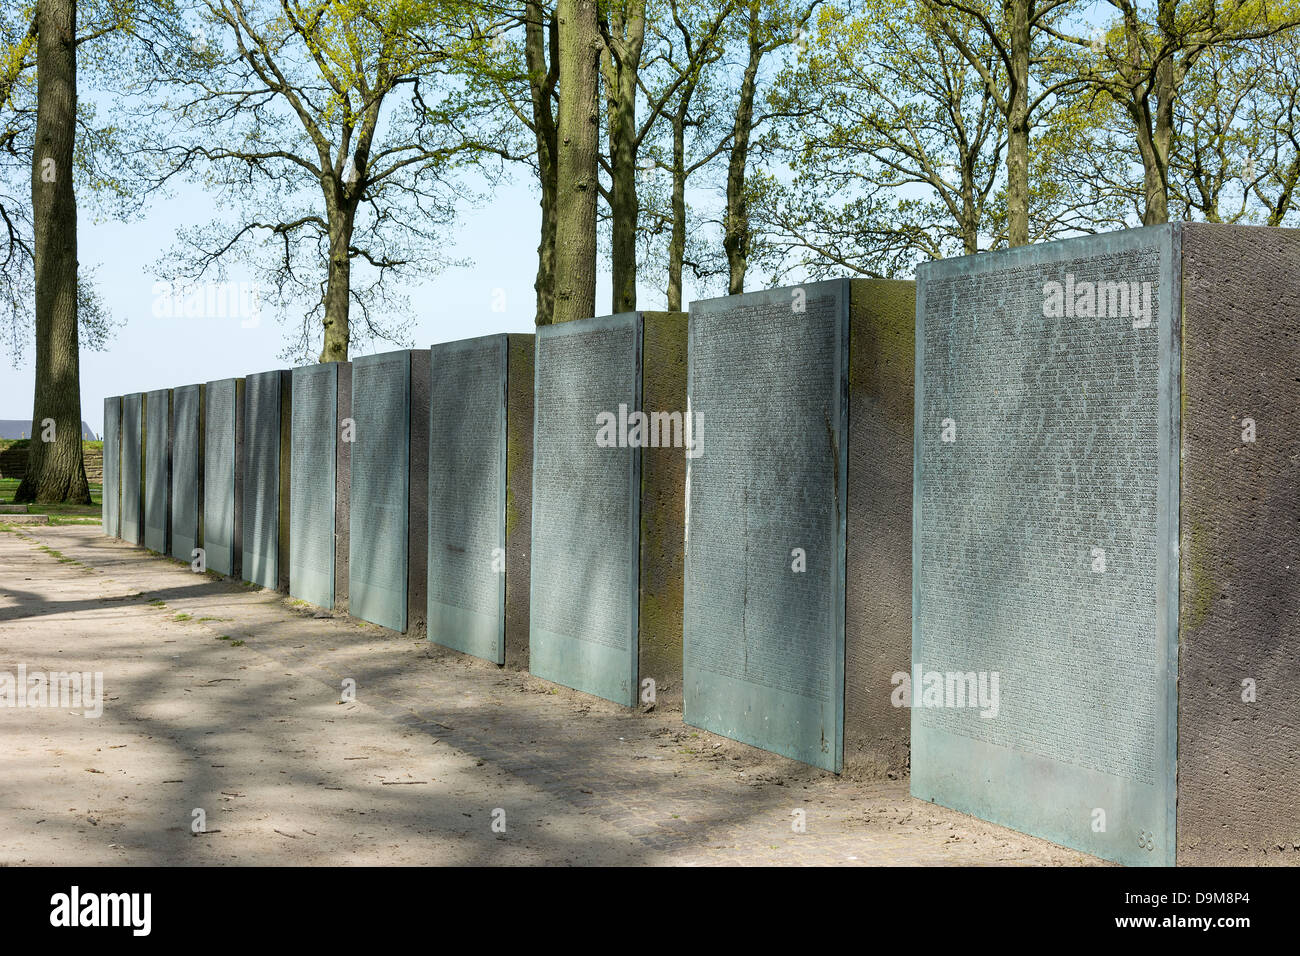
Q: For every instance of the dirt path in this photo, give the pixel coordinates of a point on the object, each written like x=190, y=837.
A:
x=226, y=699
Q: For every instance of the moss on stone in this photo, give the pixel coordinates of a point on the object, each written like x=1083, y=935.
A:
x=1198, y=581
x=663, y=473
x=882, y=343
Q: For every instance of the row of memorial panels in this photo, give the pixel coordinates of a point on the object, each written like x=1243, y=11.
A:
x=524, y=499
x=726, y=510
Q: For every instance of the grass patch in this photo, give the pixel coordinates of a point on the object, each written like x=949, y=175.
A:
x=9, y=487
x=182, y=617
x=157, y=603
x=60, y=556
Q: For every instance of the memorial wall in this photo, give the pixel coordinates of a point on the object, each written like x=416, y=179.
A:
x=1045, y=523
x=468, y=490
x=1025, y=530
x=187, y=471
x=388, y=517
x=1057, y=387
x=582, y=631
x=802, y=477
x=157, y=470
x=132, y=474
x=320, y=472
x=111, y=489
x=600, y=600
x=223, y=476
x=267, y=407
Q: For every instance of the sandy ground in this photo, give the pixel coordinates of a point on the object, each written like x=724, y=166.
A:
x=227, y=699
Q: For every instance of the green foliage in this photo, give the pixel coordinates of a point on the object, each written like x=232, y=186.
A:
x=332, y=133
x=111, y=35
x=894, y=142
x=347, y=129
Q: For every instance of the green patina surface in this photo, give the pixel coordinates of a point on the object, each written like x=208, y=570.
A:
x=1198, y=582
x=658, y=618
x=885, y=368
x=663, y=476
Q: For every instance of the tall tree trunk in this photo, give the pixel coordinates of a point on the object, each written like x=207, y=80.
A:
x=677, y=238
x=578, y=130
x=1155, y=150
x=621, y=62
x=541, y=37
x=338, y=288
x=1018, y=127
x=1155, y=158
x=56, y=470
x=735, y=225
